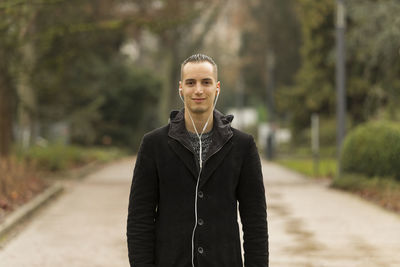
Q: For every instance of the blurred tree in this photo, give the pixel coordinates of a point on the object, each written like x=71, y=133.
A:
x=7, y=98
x=314, y=88
x=7, y=105
x=27, y=104
x=78, y=41
x=374, y=63
x=270, y=49
x=121, y=123
x=14, y=18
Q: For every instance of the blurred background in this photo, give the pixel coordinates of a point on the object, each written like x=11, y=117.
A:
x=82, y=81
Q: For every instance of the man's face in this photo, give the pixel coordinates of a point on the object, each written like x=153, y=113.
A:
x=199, y=86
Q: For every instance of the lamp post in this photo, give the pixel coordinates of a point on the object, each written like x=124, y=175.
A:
x=340, y=80
x=271, y=61
x=240, y=101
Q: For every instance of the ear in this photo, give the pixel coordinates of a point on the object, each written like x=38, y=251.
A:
x=219, y=86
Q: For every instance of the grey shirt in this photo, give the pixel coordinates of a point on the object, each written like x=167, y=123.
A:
x=206, y=141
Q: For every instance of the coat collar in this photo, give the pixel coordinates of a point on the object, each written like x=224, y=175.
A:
x=221, y=129
x=222, y=133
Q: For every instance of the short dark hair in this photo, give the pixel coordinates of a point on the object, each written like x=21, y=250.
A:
x=197, y=58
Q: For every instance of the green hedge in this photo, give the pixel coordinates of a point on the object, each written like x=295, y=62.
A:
x=373, y=149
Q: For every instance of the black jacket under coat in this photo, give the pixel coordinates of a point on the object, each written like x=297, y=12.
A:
x=161, y=203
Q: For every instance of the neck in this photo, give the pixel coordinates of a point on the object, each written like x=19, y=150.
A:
x=199, y=119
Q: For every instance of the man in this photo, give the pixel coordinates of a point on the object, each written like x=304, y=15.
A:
x=188, y=178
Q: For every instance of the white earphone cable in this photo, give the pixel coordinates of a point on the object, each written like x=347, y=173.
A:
x=200, y=164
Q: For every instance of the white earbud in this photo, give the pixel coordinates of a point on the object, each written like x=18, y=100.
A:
x=180, y=95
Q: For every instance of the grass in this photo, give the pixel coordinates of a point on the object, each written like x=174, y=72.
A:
x=302, y=151
x=58, y=157
x=384, y=191
x=326, y=167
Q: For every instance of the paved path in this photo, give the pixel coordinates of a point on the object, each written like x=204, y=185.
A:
x=310, y=225
x=84, y=227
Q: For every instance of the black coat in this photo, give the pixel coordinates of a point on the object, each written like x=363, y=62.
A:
x=161, y=213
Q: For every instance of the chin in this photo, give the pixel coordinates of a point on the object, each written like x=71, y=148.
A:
x=199, y=110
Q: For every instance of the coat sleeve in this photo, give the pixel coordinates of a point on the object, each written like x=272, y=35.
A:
x=253, y=209
x=143, y=200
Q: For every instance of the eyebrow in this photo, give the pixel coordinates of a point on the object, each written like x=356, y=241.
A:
x=191, y=80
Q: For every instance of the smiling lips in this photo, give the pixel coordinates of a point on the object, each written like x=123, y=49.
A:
x=198, y=100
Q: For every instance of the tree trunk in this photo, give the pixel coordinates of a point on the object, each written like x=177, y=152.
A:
x=6, y=113
x=170, y=77
x=27, y=106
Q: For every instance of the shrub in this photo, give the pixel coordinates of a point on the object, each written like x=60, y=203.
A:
x=373, y=149
x=58, y=157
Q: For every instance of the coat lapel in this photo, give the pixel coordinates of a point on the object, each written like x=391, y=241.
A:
x=213, y=162
x=179, y=142
x=185, y=155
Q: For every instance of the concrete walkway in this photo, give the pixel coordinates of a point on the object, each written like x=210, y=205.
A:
x=309, y=225
x=84, y=227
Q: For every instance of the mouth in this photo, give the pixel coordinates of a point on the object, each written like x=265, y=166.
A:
x=198, y=100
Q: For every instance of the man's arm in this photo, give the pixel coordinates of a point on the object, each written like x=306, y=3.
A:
x=252, y=208
x=143, y=201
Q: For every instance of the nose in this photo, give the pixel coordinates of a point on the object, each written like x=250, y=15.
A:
x=198, y=89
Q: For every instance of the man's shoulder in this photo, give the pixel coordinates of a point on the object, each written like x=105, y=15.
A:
x=157, y=133
x=241, y=136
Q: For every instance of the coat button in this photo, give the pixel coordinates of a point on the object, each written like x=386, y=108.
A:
x=200, y=250
x=200, y=194
x=200, y=222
